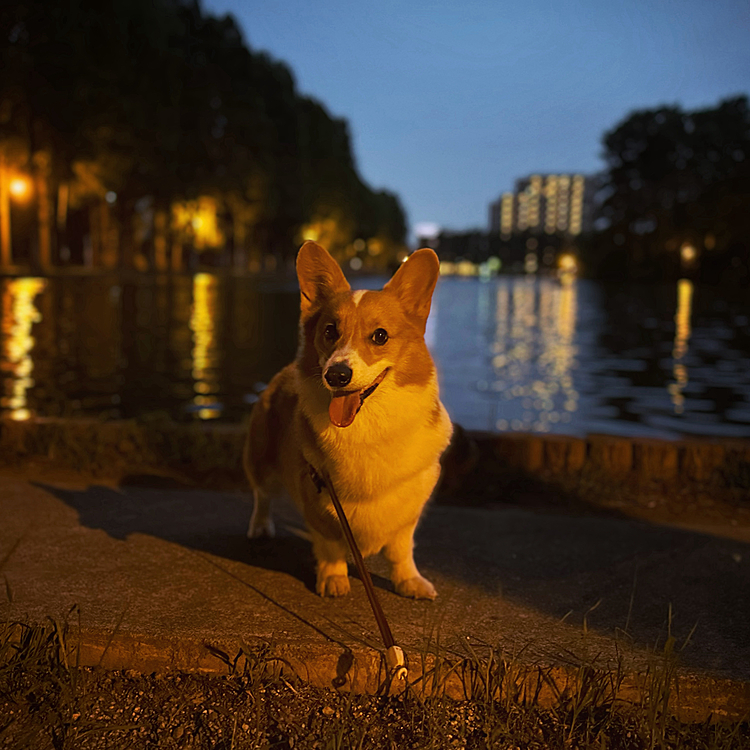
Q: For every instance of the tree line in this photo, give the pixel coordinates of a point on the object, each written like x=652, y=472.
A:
x=150, y=129
x=675, y=196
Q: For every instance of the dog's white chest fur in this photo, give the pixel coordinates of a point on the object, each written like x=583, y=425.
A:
x=386, y=464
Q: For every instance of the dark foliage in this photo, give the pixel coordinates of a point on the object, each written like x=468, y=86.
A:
x=677, y=178
x=158, y=101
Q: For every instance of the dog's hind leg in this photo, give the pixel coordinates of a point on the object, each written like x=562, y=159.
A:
x=261, y=523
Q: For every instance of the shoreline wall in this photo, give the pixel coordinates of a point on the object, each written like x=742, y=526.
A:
x=647, y=458
x=202, y=451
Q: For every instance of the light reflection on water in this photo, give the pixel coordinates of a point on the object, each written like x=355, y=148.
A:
x=535, y=354
x=681, y=339
x=19, y=315
x=527, y=380
x=513, y=353
x=205, y=355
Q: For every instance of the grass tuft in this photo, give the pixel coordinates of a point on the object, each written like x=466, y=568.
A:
x=48, y=701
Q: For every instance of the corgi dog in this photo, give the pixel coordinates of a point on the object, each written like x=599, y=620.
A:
x=359, y=405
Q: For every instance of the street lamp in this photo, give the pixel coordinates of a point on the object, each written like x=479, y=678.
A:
x=20, y=187
x=688, y=253
x=11, y=186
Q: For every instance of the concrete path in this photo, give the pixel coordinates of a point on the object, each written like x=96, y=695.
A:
x=162, y=577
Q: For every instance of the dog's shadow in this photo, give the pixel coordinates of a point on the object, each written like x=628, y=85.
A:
x=205, y=521
x=201, y=520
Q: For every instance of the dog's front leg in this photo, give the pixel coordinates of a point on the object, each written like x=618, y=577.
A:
x=332, y=570
x=406, y=578
x=329, y=544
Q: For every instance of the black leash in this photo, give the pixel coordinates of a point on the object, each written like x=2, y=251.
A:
x=394, y=654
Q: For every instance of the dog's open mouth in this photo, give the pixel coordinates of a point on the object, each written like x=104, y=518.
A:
x=345, y=406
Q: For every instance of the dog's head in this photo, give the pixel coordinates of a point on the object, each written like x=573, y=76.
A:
x=356, y=341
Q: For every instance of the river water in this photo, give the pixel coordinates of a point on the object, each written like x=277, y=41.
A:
x=513, y=353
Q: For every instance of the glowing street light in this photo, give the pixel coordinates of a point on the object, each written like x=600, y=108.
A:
x=20, y=187
x=567, y=263
x=688, y=253
x=12, y=186
x=567, y=268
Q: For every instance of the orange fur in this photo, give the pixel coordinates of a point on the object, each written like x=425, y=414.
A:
x=385, y=462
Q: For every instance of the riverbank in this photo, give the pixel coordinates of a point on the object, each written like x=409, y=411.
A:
x=679, y=479
x=599, y=575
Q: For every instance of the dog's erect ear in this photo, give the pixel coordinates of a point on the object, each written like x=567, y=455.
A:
x=415, y=281
x=319, y=276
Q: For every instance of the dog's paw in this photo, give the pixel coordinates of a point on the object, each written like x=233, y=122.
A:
x=333, y=586
x=261, y=528
x=416, y=588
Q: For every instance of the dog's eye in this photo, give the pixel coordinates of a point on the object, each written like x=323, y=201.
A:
x=380, y=336
x=330, y=333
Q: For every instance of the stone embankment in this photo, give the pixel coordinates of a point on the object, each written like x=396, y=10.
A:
x=662, y=460
x=212, y=452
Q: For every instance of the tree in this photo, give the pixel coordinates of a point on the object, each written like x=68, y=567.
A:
x=116, y=104
x=677, y=177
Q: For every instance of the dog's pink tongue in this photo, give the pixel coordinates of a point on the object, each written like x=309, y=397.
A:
x=343, y=409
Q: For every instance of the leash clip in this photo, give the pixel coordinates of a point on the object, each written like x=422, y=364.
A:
x=316, y=480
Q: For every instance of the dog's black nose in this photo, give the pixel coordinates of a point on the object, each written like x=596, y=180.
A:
x=339, y=375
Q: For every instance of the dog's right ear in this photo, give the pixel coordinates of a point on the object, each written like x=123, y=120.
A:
x=319, y=276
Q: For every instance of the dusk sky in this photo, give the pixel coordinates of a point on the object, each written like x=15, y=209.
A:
x=449, y=102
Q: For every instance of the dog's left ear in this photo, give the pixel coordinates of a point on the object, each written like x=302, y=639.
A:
x=414, y=283
x=319, y=276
